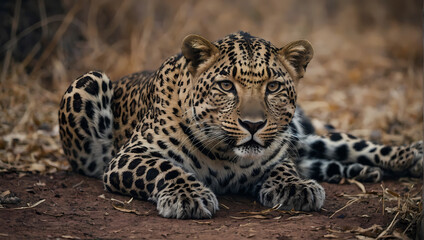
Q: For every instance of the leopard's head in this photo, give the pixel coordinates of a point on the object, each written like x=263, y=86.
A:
x=243, y=91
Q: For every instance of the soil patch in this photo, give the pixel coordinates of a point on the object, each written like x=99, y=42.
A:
x=77, y=207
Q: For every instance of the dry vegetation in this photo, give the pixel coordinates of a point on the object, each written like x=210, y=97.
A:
x=365, y=78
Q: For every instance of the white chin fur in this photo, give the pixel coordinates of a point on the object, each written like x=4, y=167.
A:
x=249, y=152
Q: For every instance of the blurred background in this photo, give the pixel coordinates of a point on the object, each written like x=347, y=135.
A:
x=365, y=78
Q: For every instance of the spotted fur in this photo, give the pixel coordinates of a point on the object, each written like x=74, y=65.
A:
x=219, y=118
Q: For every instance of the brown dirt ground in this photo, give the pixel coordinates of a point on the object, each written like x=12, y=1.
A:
x=77, y=207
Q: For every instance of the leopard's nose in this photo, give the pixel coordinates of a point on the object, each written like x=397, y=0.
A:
x=252, y=127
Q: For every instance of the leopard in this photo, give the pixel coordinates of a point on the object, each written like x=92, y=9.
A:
x=217, y=118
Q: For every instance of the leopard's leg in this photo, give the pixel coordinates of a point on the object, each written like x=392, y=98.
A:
x=334, y=171
x=85, y=120
x=330, y=158
x=286, y=189
x=140, y=171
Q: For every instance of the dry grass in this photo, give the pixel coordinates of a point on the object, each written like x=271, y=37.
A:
x=407, y=212
x=365, y=78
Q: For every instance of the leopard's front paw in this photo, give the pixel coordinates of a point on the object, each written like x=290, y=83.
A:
x=181, y=201
x=304, y=195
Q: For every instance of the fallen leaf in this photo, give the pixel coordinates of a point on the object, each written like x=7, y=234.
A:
x=40, y=184
x=330, y=236
x=29, y=205
x=392, y=193
x=200, y=222
x=5, y=193
x=360, y=237
x=69, y=237
x=123, y=209
x=224, y=206
x=37, y=167
x=299, y=216
x=251, y=216
x=360, y=185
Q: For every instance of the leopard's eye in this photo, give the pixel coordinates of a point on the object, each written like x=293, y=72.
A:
x=226, y=86
x=273, y=87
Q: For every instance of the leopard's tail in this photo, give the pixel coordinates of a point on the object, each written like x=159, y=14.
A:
x=85, y=120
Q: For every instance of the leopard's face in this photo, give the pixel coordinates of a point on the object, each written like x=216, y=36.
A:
x=244, y=100
x=243, y=95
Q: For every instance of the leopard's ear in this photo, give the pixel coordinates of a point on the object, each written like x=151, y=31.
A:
x=295, y=56
x=199, y=52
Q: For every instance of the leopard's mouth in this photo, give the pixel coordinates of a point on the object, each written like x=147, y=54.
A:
x=250, y=148
x=251, y=144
